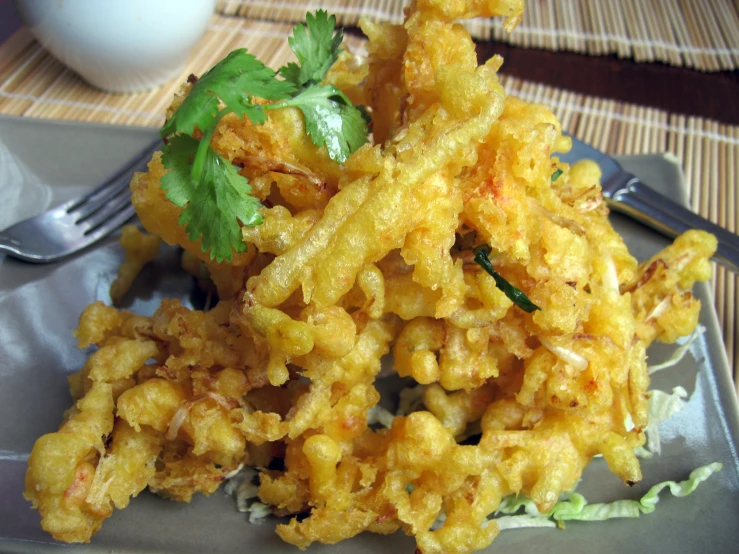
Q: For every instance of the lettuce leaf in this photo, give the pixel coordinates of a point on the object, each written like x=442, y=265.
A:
x=662, y=406
x=684, y=347
x=576, y=507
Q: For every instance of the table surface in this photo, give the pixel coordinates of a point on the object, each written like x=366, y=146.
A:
x=657, y=85
x=675, y=89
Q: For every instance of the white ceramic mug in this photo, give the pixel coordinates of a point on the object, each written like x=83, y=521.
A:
x=119, y=45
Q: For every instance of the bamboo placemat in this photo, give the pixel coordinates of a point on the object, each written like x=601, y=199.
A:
x=33, y=84
x=701, y=34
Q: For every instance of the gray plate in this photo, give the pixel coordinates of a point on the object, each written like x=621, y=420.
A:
x=39, y=307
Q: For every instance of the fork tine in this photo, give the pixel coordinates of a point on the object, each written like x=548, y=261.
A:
x=126, y=212
x=77, y=223
x=81, y=211
x=142, y=158
x=112, y=206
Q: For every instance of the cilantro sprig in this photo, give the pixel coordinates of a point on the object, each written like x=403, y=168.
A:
x=216, y=198
x=215, y=206
x=234, y=81
x=316, y=48
x=331, y=120
x=514, y=294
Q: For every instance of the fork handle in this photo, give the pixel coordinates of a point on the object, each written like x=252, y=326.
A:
x=8, y=244
x=668, y=217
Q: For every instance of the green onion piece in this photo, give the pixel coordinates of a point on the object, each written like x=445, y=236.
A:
x=515, y=295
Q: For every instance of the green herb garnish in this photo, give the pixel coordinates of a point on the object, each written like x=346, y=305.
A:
x=331, y=120
x=214, y=206
x=556, y=174
x=316, y=50
x=215, y=197
x=330, y=117
x=515, y=295
x=234, y=81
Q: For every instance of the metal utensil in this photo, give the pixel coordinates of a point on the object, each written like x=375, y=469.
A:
x=625, y=193
x=79, y=222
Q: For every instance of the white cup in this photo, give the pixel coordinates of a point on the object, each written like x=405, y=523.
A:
x=119, y=45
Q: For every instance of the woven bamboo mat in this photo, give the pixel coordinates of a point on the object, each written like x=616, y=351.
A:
x=701, y=34
x=33, y=84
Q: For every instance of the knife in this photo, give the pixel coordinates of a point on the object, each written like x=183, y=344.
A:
x=625, y=193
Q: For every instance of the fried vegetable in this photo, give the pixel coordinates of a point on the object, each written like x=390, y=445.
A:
x=216, y=198
x=362, y=255
x=141, y=248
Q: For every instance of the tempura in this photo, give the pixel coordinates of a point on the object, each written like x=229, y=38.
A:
x=372, y=257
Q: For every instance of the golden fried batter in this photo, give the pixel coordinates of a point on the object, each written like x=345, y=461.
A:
x=357, y=260
x=141, y=248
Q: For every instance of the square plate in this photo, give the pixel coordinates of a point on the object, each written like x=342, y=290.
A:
x=39, y=307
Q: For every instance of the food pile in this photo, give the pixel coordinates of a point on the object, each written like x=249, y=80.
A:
x=454, y=241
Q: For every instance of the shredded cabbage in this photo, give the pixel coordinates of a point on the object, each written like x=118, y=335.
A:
x=243, y=488
x=662, y=406
x=523, y=521
x=378, y=414
x=576, y=507
x=411, y=400
x=679, y=353
x=258, y=511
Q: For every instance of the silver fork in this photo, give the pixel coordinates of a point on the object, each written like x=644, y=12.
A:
x=625, y=193
x=79, y=222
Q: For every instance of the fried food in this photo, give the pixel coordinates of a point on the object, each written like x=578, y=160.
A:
x=141, y=248
x=377, y=255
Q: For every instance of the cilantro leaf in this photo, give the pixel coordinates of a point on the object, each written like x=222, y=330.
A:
x=316, y=49
x=177, y=157
x=331, y=119
x=215, y=205
x=235, y=80
x=517, y=296
x=214, y=197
